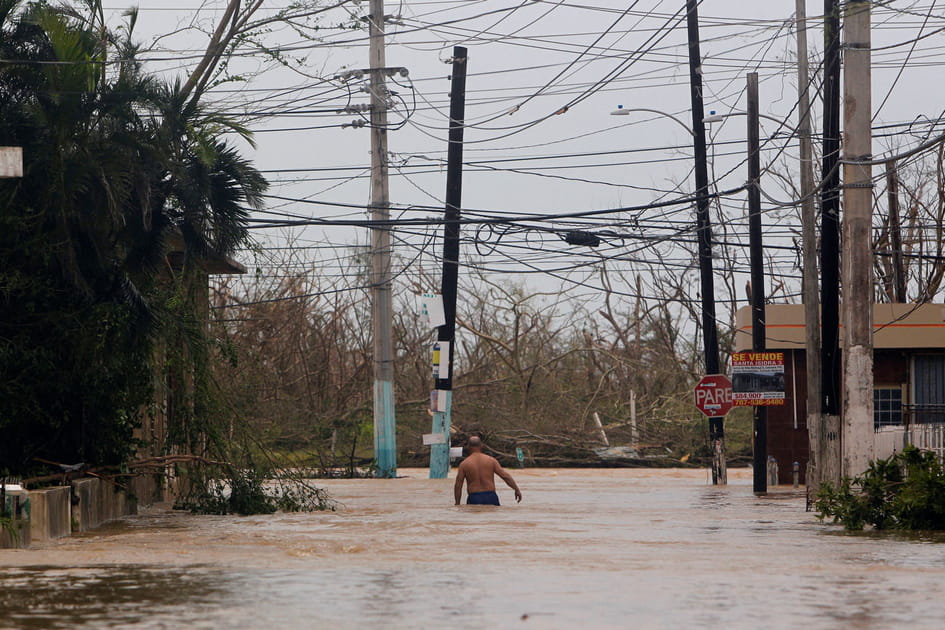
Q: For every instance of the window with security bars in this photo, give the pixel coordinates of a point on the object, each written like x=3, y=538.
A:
x=887, y=406
x=929, y=386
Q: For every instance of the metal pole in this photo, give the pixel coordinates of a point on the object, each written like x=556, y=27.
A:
x=857, y=279
x=830, y=249
x=704, y=225
x=439, y=453
x=385, y=444
x=756, y=253
x=809, y=245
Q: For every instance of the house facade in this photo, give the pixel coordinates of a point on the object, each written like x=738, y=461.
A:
x=908, y=379
x=174, y=379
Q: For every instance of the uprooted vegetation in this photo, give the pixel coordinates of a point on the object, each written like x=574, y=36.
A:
x=251, y=490
x=532, y=370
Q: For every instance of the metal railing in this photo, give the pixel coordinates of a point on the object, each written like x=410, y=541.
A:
x=923, y=414
x=925, y=436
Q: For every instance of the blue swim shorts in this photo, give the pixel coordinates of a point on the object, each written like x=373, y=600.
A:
x=488, y=497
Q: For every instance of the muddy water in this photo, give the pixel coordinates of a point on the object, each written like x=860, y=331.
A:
x=586, y=549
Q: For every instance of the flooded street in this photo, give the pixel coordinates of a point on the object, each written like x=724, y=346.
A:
x=628, y=548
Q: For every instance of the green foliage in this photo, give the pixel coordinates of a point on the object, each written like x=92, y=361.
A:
x=242, y=493
x=6, y=525
x=250, y=490
x=115, y=164
x=903, y=492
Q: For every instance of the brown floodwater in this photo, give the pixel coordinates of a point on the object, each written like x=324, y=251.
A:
x=588, y=549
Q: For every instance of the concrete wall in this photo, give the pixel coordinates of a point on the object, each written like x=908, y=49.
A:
x=96, y=501
x=149, y=489
x=18, y=538
x=16, y=533
x=88, y=503
x=50, y=513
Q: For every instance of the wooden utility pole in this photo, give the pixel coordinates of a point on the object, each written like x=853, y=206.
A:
x=829, y=464
x=756, y=254
x=809, y=246
x=704, y=226
x=446, y=334
x=895, y=232
x=385, y=434
x=857, y=280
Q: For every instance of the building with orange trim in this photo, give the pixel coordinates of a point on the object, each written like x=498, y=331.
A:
x=908, y=379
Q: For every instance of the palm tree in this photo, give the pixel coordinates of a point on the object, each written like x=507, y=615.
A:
x=115, y=161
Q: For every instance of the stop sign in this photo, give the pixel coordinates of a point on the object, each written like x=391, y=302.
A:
x=713, y=395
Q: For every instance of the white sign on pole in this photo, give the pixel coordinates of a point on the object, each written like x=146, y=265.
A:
x=456, y=451
x=441, y=400
x=11, y=161
x=434, y=438
x=441, y=359
x=431, y=310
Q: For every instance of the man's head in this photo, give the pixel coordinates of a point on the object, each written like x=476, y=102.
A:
x=474, y=444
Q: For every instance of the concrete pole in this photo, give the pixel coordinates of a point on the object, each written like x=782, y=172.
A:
x=385, y=436
x=809, y=240
x=857, y=267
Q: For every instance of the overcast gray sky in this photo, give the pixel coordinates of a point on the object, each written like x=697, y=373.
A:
x=535, y=57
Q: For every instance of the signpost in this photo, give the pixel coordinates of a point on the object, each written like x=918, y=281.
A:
x=713, y=395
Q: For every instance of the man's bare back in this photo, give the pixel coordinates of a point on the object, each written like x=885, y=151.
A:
x=478, y=472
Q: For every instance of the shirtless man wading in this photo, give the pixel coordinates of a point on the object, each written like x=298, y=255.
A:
x=477, y=471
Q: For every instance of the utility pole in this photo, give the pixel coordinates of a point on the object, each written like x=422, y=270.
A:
x=829, y=464
x=446, y=334
x=756, y=253
x=809, y=246
x=704, y=226
x=857, y=438
x=895, y=232
x=385, y=433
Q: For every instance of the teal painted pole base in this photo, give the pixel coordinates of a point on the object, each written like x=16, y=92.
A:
x=440, y=453
x=385, y=430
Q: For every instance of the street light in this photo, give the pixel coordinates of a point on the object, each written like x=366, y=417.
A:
x=704, y=235
x=621, y=111
x=758, y=298
x=714, y=118
x=711, y=118
x=760, y=482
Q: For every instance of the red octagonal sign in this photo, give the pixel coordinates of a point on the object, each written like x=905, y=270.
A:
x=713, y=395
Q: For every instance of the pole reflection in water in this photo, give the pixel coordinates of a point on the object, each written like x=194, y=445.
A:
x=586, y=549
